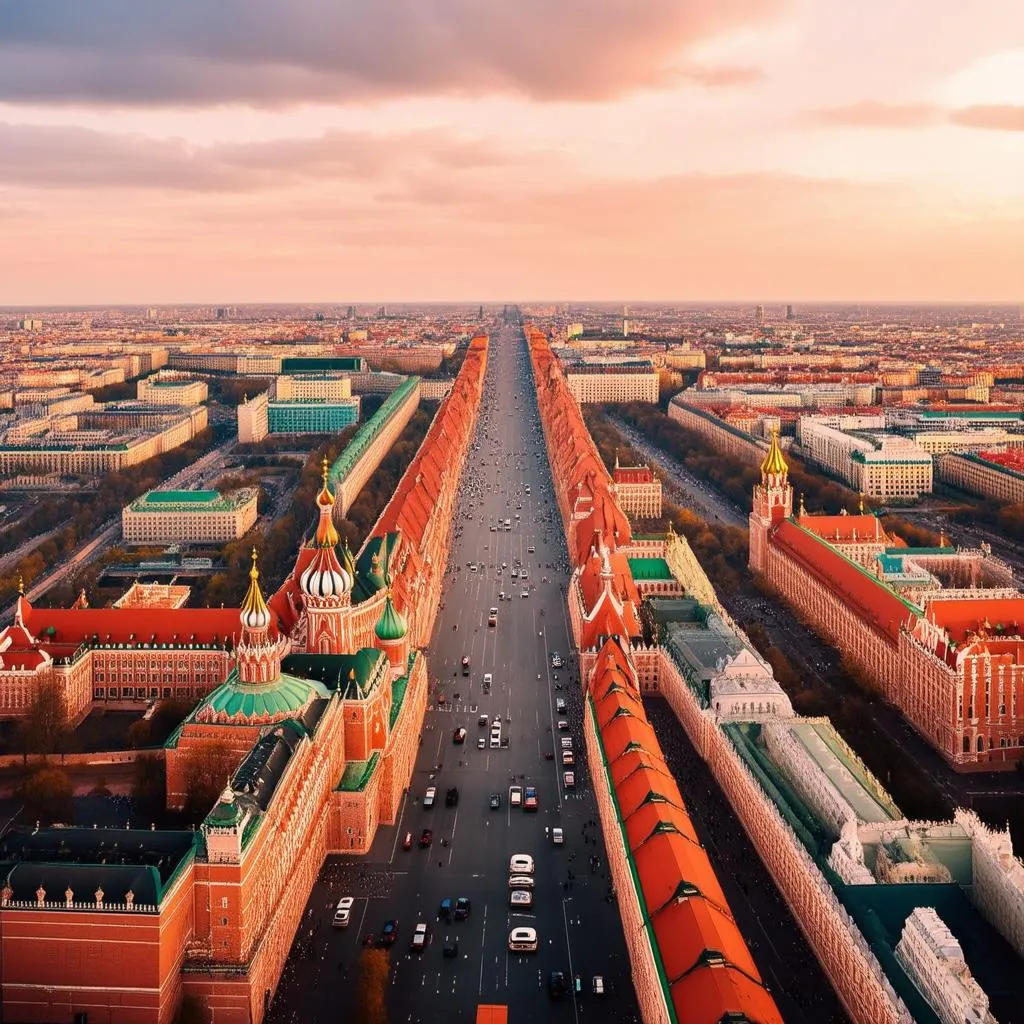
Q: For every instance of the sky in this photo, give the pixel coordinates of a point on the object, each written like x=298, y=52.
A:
x=474, y=150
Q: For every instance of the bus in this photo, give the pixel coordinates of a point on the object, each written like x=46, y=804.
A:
x=491, y=1014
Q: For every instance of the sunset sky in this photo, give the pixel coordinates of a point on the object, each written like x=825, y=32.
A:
x=257, y=150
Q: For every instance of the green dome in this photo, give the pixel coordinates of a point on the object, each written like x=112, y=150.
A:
x=227, y=813
x=283, y=698
x=391, y=625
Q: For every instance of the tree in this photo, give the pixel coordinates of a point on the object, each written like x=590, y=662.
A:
x=371, y=988
x=48, y=795
x=44, y=730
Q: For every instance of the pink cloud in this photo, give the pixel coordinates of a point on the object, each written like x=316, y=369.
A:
x=875, y=114
x=1000, y=118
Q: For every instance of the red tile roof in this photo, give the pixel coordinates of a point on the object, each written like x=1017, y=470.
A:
x=846, y=529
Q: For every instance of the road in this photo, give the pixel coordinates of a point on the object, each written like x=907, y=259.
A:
x=682, y=486
x=578, y=925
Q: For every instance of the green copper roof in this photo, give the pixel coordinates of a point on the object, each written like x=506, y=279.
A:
x=354, y=675
x=177, y=497
x=357, y=774
x=286, y=696
x=225, y=813
x=391, y=625
x=649, y=569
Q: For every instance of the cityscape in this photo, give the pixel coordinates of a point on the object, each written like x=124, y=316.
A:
x=408, y=613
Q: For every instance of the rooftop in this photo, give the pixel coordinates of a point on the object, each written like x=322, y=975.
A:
x=193, y=501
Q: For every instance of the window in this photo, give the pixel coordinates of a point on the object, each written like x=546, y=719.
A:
x=224, y=903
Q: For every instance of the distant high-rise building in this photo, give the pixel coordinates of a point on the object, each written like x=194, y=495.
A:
x=789, y=313
x=481, y=313
x=30, y=325
x=152, y=313
x=759, y=315
x=625, y=327
x=222, y=313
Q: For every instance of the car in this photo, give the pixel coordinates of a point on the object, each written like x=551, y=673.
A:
x=369, y=940
x=451, y=797
x=462, y=908
x=520, y=898
x=514, y=574
x=549, y=755
x=482, y=720
x=563, y=725
x=451, y=949
x=444, y=911
x=488, y=679
x=520, y=864
x=481, y=743
x=420, y=937
x=465, y=666
x=557, y=836
x=515, y=795
x=496, y=720
x=567, y=758
x=597, y=985
x=567, y=743
x=495, y=801
x=556, y=985
x=530, y=550
x=407, y=841
x=426, y=838
x=430, y=796
x=525, y=593
x=459, y=736
x=560, y=705
x=346, y=902
x=389, y=933
x=520, y=881
x=530, y=802
x=522, y=940
x=342, y=918
x=495, y=740
x=569, y=778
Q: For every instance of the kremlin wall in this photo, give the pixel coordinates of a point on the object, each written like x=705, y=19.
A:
x=853, y=870
x=315, y=696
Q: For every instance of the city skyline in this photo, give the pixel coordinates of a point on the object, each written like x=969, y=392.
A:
x=782, y=149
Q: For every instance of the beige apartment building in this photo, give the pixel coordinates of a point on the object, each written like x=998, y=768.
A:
x=171, y=389
x=590, y=384
x=189, y=517
x=253, y=419
x=998, y=476
x=312, y=387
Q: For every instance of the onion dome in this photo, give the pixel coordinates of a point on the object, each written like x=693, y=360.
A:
x=255, y=613
x=375, y=578
x=773, y=464
x=391, y=625
x=324, y=576
x=326, y=534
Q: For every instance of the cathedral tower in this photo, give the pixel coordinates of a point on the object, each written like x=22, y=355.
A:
x=773, y=502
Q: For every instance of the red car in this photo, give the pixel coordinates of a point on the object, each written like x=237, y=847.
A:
x=407, y=841
x=426, y=837
x=369, y=940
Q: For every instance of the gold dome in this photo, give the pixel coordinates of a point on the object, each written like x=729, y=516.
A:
x=326, y=534
x=773, y=464
x=254, y=614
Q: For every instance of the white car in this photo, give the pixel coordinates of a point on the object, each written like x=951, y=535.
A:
x=520, y=864
x=598, y=985
x=569, y=779
x=520, y=882
x=521, y=898
x=419, y=937
x=430, y=796
x=342, y=918
x=346, y=903
x=522, y=940
x=557, y=836
x=481, y=744
x=525, y=593
x=515, y=795
x=567, y=743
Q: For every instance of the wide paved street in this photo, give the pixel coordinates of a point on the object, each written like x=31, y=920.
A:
x=579, y=931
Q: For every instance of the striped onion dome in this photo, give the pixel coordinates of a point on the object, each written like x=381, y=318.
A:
x=324, y=576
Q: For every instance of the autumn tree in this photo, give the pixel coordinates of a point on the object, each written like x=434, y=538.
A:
x=44, y=729
x=371, y=988
x=48, y=795
x=149, y=783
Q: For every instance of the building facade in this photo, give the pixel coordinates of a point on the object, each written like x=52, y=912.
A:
x=189, y=517
x=612, y=383
x=638, y=491
x=172, y=389
x=997, y=476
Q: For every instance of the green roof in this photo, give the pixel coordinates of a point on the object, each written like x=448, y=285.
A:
x=650, y=569
x=357, y=774
x=366, y=667
x=391, y=625
x=286, y=696
x=181, y=497
x=364, y=436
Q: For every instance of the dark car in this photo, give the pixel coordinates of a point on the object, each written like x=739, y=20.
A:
x=451, y=949
x=369, y=940
x=462, y=908
x=451, y=798
x=495, y=801
x=426, y=837
x=389, y=933
x=459, y=736
x=445, y=910
x=556, y=985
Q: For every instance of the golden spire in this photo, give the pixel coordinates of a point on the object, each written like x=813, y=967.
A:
x=326, y=534
x=21, y=584
x=943, y=540
x=860, y=503
x=803, y=509
x=773, y=464
x=255, y=613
